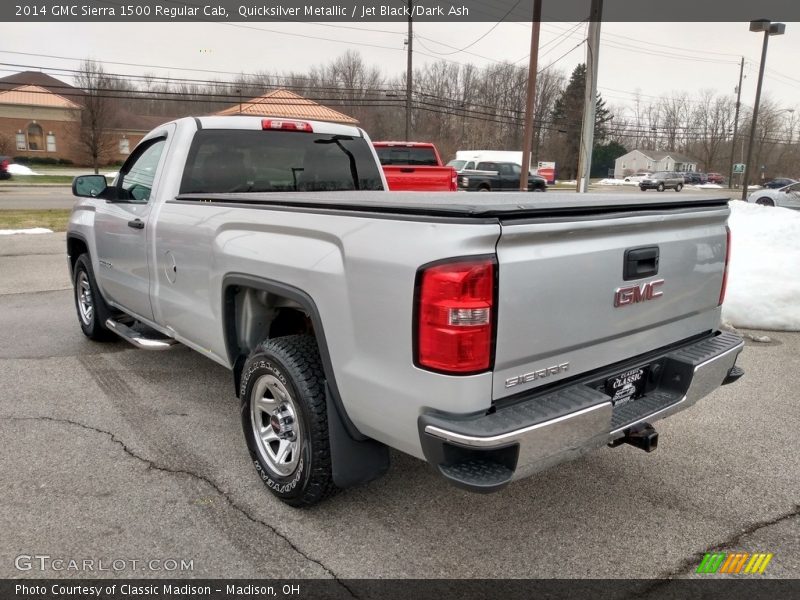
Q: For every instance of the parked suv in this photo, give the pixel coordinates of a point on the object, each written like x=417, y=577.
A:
x=661, y=181
x=4, y=162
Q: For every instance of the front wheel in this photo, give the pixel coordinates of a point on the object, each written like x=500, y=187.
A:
x=92, y=309
x=660, y=187
x=644, y=189
x=285, y=421
x=679, y=187
x=765, y=202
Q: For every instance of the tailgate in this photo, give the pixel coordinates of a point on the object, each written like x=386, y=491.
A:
x=420, y=178
x=565, y=306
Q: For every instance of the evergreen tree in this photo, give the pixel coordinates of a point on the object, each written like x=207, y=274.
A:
x=567, y=117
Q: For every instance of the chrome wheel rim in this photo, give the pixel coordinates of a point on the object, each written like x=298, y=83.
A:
x=276, y=429
x=83, y=291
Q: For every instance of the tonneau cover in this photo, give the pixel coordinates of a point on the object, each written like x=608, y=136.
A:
x=500, y=205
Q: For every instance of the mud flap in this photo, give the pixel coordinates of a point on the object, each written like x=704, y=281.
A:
x=353, y=462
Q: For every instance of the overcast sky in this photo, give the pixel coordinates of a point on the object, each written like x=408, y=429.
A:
x=653, y=58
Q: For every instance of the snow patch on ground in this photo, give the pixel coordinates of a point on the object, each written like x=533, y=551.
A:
x=611, y=181
x=708, y=186
x=764, y=271
x=31, y=230
x=16, y=169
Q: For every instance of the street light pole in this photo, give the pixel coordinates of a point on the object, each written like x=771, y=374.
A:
x=769, y=29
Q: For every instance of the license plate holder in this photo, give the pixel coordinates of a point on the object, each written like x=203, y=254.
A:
x=627, y=386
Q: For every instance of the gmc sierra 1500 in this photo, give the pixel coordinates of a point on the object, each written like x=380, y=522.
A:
x=492, y=336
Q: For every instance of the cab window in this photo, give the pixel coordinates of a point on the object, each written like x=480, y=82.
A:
x=137, y=176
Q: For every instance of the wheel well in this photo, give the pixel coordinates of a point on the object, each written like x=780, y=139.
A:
x=253, y=315
x=75, y=247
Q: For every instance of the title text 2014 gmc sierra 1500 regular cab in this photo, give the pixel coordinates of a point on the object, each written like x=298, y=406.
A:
x=491, y=337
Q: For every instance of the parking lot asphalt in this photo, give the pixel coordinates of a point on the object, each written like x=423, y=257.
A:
x=110, y=452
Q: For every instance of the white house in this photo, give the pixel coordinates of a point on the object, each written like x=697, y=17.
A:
x=652, y=160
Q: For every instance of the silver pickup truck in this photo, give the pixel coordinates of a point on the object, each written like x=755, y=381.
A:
x=492, y=336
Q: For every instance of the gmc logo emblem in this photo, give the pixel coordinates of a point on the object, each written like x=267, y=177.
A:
x=633, y=294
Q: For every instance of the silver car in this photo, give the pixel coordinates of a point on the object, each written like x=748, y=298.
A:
x=662, y=180
x=787, y=197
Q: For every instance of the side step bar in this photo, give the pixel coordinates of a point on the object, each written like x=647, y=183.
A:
x=140, y=339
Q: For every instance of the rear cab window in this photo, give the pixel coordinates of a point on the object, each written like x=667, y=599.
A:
x=244, y=160
x=405, y=155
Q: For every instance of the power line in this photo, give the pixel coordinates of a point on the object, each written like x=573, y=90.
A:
x=475, y=41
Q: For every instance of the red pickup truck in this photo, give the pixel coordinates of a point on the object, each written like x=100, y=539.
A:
x=415, y=167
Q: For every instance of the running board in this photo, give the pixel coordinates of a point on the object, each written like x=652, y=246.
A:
x=140, y=339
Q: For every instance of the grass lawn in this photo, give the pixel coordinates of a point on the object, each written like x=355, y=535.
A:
x=55, y=219
x=34, y=179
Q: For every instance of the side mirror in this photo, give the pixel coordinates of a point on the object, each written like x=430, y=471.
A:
x=89, y=186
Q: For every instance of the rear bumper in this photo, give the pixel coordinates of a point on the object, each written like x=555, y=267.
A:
x=487, y=451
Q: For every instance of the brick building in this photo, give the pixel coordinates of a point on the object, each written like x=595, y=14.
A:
x=40, y=117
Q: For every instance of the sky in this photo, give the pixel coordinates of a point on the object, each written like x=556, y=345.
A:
x=651, y=58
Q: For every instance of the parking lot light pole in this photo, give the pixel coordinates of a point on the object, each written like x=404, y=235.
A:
x=769, y=29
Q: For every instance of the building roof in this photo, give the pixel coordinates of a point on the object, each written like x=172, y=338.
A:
x=42, y=80
x=33, y=95
x=283, y=103
x=661, y=155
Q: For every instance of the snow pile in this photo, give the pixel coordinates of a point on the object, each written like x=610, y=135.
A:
x=31, y=230
x=16, y=169
x=764, y=271
x=611, y=182
x=708, y=186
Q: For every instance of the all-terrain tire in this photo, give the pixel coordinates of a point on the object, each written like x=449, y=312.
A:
x=286, y=373
x=91, y=308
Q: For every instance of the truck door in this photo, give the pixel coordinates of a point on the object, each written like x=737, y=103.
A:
x=506, y=175
x=121, y=230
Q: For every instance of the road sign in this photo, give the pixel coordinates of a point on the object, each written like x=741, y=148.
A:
x=738, y=168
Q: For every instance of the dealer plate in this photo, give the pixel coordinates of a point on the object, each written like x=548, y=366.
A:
x=626, y=386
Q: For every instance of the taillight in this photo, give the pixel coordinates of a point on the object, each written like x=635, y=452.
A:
x=455, y=326
x=286, y=125
x=727, y=260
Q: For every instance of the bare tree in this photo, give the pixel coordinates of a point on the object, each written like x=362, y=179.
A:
x=96, y=112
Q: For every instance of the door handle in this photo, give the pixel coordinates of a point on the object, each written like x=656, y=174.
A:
x=136, y=224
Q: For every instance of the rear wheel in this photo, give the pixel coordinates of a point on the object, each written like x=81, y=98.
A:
x=765, y=202
x=92, y=309
x=660, y=187
x=483, y=188
x=285, y=421
x=679, y=187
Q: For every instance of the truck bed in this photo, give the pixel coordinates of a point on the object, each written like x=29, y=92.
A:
x=491, y=206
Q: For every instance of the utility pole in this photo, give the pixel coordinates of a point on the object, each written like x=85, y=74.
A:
x=530, y=101
x=409, y=72
x=736, y=120
x=590, y=97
